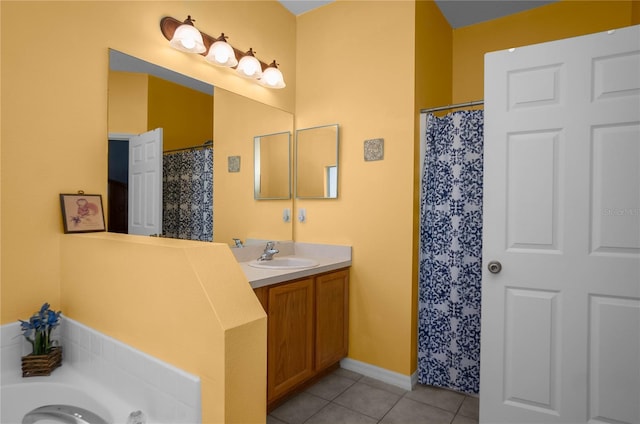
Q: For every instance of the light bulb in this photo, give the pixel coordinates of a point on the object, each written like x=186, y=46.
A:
x=221, y=56
x=272, y=77
x=221, y=53
x=187, y=38
x=249, y=67
x=188, y=43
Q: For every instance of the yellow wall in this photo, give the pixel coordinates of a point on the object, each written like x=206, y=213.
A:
x=185, y=115
x=54, y=140
x=433, y=87
x=127, y=110
x=186, y=303
x=375, y=89
x=355, y=64
x=54, y=119
x=567, y=18
x=140, y=102
x=238, y=120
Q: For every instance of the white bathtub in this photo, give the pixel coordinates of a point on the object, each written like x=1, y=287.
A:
x=63, y=387
x=99, y=374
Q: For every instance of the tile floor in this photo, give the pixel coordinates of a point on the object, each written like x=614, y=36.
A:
x=346, y=397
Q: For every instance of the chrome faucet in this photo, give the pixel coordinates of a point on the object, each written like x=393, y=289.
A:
x=269, y=251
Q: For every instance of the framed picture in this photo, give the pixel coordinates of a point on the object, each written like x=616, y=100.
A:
x=82, y=213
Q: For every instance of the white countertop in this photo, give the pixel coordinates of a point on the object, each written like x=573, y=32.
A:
x=329, y=258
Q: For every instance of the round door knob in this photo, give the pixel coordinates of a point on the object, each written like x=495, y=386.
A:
x=494, y=267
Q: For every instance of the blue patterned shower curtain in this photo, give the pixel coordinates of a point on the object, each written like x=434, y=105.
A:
x=187, y=186
x=451, y=253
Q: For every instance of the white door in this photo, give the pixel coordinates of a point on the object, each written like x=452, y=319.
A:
x=145, y=183
x=561, y=320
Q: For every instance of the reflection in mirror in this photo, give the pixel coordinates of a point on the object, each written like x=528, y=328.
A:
x=271, y=160
x=239, y=215
x=137, y=89
x=317, y=162
x=152, y=109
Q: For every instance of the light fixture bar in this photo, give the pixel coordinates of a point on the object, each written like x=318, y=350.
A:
x=168, y=26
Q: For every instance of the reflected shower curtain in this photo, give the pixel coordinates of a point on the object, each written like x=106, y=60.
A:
x=451, y=253
x=187, y=185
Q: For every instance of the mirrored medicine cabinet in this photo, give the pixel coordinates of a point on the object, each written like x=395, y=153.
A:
x=272, y=166
x=316, y=162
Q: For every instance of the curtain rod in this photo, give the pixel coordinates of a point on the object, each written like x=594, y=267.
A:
x=201, y=146
x=456, y=106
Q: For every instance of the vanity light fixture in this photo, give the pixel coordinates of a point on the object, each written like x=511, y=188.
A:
x=221, y=53
x=181, y=35
x=272, y=77
x=249, y=66
x=187, y=38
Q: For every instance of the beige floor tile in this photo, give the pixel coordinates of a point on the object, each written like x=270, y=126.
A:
x=382, y=385
x=348, y=374
x=411, y=411
x=273, y=420
x=367, y=400
x=336, y=414
x=347, y=397
x=435, y=396
x=470, y=407
x=461, y=419
x=331, y=386
x=299, y=408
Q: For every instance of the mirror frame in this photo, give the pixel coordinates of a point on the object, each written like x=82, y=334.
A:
x=257, y=171
x=327, y=177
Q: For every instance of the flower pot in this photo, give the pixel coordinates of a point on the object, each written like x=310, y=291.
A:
x=38, y=365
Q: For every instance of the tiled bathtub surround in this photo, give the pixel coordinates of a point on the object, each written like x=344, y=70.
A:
x=165, y=393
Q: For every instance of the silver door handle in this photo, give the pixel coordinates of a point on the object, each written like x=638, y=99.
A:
x=494, y=267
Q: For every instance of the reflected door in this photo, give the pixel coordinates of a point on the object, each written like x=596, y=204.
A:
x=561, y=320
x=145, y=183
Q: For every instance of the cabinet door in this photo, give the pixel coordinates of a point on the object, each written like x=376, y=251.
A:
x=290, y=338
x=332, y=318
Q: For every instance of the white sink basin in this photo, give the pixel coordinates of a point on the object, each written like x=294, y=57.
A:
x=285, y=263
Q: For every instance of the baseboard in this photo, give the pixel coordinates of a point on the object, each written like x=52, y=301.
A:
x=406, y=382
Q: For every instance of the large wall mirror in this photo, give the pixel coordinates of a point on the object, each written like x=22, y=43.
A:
x=205, y=129
x=272, y=166
x=316, y=162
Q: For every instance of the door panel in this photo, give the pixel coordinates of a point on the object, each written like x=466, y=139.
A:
x=532, y=347
x=561, y=321
x=145, y=183
x=611, y=368
x=533, y=203
x=616, y=159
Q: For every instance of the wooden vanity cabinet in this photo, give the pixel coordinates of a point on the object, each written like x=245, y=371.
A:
x=332, y=318
x=307, y=329
x=289, y=336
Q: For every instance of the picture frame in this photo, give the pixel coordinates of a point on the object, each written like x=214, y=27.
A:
x=82, y=213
